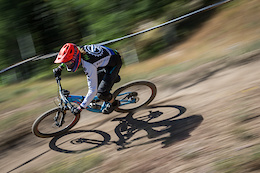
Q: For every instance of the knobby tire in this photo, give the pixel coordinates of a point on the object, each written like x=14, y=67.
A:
x=37, y=122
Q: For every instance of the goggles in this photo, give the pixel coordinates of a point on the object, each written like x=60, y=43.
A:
x=70, y=64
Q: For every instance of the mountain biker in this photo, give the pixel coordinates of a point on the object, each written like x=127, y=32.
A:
x=101, y=66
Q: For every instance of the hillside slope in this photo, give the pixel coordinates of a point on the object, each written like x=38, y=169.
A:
x=214, y=92
x=232, y=31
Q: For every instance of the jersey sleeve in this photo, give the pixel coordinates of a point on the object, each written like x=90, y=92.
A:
x=92, y=85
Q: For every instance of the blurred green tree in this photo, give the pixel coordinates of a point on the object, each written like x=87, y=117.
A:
x=32, y=27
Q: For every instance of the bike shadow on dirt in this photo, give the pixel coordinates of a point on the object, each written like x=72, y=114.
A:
x=91, y=139
x=159, y=123
x=78, y=141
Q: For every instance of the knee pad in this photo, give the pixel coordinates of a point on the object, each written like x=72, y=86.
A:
x=118, y=79
x=104, y=96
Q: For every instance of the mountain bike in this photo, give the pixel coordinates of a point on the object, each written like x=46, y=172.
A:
x=131, y=96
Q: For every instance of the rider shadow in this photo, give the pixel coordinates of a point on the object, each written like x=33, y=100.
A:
x=79, y=141
x=158, y=125
x=159, y=122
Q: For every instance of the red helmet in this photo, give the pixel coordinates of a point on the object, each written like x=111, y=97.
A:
x=69, y=55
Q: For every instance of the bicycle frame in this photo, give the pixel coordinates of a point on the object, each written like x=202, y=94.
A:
x=78, y=99
x=67, y=100
x=126, y=100
x=57, y=121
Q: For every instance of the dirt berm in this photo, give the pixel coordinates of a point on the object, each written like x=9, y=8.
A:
x=205, y=119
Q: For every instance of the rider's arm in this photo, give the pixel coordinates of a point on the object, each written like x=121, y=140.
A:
x=92, y=85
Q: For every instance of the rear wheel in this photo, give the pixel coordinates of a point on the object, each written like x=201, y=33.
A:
x=54, y=122
x=135, y=95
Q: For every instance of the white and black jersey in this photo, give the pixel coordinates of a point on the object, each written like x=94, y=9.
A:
x=96, y=56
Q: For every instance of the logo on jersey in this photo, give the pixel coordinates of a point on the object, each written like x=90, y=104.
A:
x=94, y=50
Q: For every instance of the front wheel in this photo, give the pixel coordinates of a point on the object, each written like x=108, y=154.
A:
x=54, y=122
x=135, y=95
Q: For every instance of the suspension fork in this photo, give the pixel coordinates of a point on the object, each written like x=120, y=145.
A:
x=61, y=114
x=62, y=117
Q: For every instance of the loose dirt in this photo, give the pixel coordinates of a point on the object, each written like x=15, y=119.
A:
x=202, y=120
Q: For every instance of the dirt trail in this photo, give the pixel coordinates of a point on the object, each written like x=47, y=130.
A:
x=200, y=120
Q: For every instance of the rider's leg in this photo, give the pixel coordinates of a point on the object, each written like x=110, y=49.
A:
x=101, y=73
x=111, y=76
x=108, y=98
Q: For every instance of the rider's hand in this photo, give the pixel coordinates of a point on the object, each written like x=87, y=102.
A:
x=76, y=111
x=57, y=71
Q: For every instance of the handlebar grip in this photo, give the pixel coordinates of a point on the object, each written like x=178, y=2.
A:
x=57, y=72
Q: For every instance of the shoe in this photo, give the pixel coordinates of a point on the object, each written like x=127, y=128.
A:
x=110, y=107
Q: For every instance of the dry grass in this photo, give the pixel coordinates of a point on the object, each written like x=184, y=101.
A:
x=230, y=32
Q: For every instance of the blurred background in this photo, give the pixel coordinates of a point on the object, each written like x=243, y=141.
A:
x=37, y=27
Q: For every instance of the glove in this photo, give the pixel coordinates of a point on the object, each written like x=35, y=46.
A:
x=57, y=71
x=76, y=111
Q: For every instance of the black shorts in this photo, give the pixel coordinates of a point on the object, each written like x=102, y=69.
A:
x=108, y=75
